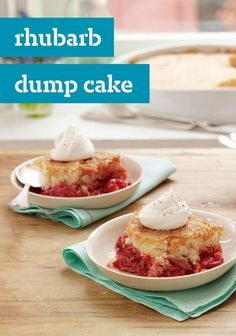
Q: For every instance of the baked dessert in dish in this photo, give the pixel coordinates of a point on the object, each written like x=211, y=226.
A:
x=185, y=249
x=73, y=171
x=192, y=70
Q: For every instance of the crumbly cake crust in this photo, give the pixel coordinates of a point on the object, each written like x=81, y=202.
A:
x=80, y=172
x=192, y=70
x=184, y=242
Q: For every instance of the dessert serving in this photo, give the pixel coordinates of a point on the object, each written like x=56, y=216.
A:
x=164, y=239
x=75, y=169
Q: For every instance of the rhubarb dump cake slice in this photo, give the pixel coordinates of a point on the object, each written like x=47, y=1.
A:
x=75, y=169
x=188, y=249
x=102, y=173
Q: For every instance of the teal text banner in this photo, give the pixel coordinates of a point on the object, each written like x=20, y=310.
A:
x=56, y=37
x=74, y=83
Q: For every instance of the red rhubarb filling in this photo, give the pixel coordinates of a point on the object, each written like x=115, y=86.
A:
x=97, y=188
x=129, y=259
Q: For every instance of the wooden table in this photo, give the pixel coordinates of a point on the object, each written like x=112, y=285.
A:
x=39, y=295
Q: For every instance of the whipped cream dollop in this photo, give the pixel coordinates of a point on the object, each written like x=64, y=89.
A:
x=72, y=145
x=167, y=212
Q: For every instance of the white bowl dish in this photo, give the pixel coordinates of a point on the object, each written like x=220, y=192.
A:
x=135, y=174
x=214, y=106
x=101, y=248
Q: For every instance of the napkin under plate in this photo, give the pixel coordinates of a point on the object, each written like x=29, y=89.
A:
x=179, y=305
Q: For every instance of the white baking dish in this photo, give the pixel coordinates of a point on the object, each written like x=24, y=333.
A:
x=215, y=106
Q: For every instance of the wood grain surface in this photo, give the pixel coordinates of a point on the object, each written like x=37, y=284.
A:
x=39, y=295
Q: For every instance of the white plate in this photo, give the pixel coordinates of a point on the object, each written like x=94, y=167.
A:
x=214, y=105
x=135, y=174
x=101, y=247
